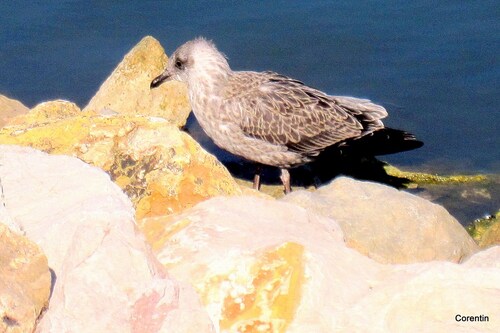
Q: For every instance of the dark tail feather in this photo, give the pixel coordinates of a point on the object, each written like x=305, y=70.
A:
x=382, y=142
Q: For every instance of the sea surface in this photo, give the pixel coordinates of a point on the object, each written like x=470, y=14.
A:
x=433, y=64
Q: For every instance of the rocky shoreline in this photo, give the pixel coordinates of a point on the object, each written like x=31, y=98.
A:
x=113, y=219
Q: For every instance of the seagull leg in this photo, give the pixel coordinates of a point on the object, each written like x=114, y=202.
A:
x=285, y=179
x=256, y=178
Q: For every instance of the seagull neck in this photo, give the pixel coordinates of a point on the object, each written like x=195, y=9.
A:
x=209, y=82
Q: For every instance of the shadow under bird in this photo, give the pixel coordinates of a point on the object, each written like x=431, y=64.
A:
x=272, y=119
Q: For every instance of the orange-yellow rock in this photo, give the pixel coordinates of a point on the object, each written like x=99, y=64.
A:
x=273, y=293
x=10, y=108
x=47, y=112
x=127, y=91
x=24, y=282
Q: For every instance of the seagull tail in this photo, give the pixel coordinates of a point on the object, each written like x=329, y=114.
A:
x=382, y=142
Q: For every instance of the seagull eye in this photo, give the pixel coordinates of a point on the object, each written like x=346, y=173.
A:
x=179, y=64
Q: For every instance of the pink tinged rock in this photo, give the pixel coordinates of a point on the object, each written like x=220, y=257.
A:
x=260, y=264
x=276, y=267
x=106, y=278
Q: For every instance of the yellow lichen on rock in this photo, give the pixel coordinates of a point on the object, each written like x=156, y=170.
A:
x=127, y=91
x=47, y=112
x=169, y=171
x=48, y=127
x=263, y=299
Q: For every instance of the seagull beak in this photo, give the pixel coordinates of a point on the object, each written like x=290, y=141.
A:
x=165, y=76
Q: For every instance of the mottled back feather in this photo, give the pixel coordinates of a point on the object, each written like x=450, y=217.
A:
x=285, y=112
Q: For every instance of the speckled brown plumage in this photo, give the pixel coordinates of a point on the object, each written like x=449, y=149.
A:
x=287, y=113
x=266, y=117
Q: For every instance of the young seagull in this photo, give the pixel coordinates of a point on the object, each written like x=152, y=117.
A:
x=266, y=117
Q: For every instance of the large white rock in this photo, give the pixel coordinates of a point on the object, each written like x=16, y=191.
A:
x=274, y=266
x=105, y=276
x=388, y=225
x=431, y=297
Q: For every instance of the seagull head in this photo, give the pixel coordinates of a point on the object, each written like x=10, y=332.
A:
x=195, y=59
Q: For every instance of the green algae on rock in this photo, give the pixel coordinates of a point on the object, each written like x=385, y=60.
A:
x=427, y=178
x=486, y=231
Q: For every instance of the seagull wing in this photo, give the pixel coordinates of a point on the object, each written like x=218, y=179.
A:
x=285, y=112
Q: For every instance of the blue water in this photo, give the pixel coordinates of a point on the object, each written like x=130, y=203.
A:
x=433, y=64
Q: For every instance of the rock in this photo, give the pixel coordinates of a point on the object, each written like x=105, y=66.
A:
x=162, y=169
x=106, y=278
x=24, y=282
x=388, y=225
x=491, y=236
x=10, y=108
x=432, y=297
x=486, y=231
x=266, y=190
x=171, y=168
x=271, y=266
x=47, y=112
x=485, y=259
x=51, y=126
x=245, y=190
x=53, y=111
x=126, y=90
x=259, y=265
